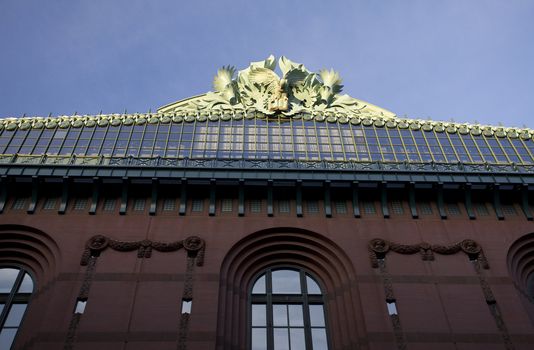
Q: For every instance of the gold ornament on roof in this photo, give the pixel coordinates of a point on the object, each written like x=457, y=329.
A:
x=259, y=88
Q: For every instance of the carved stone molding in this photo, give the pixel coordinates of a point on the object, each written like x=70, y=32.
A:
x=378, y=248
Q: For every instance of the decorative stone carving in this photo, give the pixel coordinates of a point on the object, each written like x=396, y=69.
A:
x=98, y=243
x=379, y=247
x=83, y=294
x=194, y=245
x=182, y=331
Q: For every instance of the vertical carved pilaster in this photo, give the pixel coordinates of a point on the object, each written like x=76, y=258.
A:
x=195, y=253
x=84, y=292
x=390, y=298
x=378, y=249
x=194, y=246
x=493, y=306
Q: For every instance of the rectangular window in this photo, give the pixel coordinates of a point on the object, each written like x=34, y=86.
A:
x=19, y=204
x=197, y=205
x=255, y=205
x=283, y=206
x=109, y=204
x=396, y=207
x=226, y=205
x=312, y=206
x=425, y=208
x=453, y=209
x=49, y=204
x=481, y=209
x=509, y=209
x=341, y=207
x=169, y=204
x=80, y=203
x=139, y=204
x=369, y=208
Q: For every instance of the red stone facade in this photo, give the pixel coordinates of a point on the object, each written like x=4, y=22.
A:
x=453, y=281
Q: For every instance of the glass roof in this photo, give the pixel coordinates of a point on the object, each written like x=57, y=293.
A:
x=255, y=138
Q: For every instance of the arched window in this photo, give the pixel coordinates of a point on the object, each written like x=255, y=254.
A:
x=16, y=287
x=287, y=311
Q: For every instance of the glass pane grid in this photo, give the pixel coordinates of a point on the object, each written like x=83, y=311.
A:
x=425, y=208
x=197, y=205
x=169, y=204
x=139, y=204
x=261, y=139
x=396, y=207
x=16, y=286
x=255, y=205
x=369, y=207
x=109, y=204
x=312, y=206
x=453, y=209
x=19, y=204
x=80, y=203
x=341, y=207
x=283, y=324
x=49, y=204
x=509, y=209
x=283, y=206
x=226, y=205
x=481, y=209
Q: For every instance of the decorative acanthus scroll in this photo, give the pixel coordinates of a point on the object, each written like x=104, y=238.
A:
x=259, y=89
x=379, y=247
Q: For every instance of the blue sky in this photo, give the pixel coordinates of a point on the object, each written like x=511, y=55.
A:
x=469, y=61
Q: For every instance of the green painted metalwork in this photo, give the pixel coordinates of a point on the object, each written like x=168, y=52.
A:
x=259, y=88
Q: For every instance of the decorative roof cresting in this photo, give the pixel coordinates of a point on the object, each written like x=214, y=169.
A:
x=258, y=88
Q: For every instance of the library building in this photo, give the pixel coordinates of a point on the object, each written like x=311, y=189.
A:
x=272, y=213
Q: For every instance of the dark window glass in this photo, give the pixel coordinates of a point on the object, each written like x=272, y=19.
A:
x=16, y=286
x=99, y=133
x=287, y=312
x=16, y=142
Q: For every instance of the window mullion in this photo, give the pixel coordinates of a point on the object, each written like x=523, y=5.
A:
x=288, y=329
x=9, y=301
x=306, y=311
x=269, y=290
